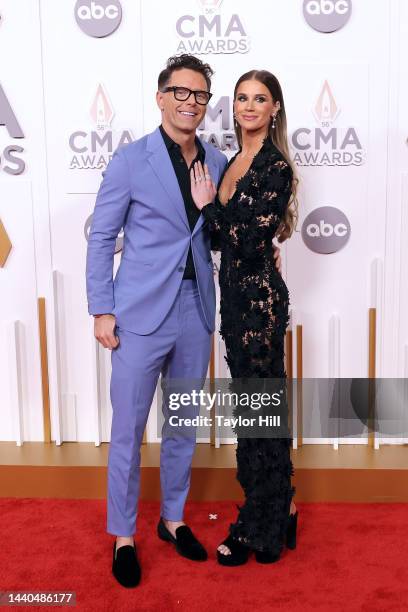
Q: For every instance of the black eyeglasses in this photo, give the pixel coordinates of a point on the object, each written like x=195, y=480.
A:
x=183, y=93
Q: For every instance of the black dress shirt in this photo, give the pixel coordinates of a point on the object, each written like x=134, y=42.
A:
x=183, y=176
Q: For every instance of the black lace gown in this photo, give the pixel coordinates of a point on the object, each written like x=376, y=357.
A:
x=254, y=316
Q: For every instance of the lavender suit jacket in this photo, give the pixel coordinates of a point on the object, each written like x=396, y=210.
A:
x=140, y=193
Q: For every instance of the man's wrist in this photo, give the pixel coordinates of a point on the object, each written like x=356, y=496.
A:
x=96, y=316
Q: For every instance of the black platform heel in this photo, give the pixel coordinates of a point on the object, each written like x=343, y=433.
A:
x=265, y=556
x=239, y=553
x=291, y=531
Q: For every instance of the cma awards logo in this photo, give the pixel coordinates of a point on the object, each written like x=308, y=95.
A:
x=93, y=149
x=9, y=161
x=216, y=128
x=211, y=32
x=98, y=18
x=327, y=145
x=326, y=230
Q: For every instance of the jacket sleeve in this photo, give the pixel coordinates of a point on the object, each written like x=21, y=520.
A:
x=213, y=215
x=274, y=195
x=109, y=214
x=271, y=198
x=276, y=185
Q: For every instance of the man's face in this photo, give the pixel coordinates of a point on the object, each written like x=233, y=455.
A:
x=182, y=116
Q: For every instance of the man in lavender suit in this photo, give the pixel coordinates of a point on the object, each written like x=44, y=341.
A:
x=157, y=315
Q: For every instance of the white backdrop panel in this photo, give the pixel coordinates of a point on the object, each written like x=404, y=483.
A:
x=19, y=303
x=78, y=97
x=85, y=124
x=26, y=204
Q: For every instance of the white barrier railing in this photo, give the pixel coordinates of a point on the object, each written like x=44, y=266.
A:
x=11, y=335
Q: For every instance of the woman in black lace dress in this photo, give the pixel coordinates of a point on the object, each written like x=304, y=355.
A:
x=256, y=202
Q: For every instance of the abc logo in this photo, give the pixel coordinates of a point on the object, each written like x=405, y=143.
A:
x=327, y=7
x=98, y=18
x=327, y=15
x=97, y=11
x=326, y=230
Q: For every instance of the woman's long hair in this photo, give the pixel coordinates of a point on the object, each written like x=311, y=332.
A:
x=279, y=137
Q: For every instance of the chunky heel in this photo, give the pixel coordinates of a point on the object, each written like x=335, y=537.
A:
x=291, y=531
x=265, y=556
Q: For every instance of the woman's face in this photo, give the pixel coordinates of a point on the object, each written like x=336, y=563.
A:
x=254, y=106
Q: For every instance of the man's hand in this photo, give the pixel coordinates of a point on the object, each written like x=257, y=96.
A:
x=277, y=258
x=104, y=328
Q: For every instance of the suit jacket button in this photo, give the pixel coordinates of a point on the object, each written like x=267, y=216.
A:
x=181, y=269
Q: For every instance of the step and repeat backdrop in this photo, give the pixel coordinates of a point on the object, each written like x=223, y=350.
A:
x=79, y=78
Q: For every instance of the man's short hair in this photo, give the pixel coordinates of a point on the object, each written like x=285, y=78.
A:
x=177, y=62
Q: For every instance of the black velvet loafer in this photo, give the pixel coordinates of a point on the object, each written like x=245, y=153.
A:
x=125, y=566
x=185, y=542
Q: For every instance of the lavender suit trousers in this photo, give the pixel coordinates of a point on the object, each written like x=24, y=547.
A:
x=178, y=349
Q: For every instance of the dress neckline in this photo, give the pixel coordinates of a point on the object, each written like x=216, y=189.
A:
x=265, y=141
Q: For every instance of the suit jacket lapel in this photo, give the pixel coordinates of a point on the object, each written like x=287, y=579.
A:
x=160, y=162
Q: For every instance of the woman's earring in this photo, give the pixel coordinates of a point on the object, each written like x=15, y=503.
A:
x=273, y=121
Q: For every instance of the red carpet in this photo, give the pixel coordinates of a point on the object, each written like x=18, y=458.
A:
x=349, y=557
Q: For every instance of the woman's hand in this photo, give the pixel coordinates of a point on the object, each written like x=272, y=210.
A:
x=203, y=189
x=277, y=258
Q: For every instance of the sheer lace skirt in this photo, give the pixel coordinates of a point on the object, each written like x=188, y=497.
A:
x=264, y=466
